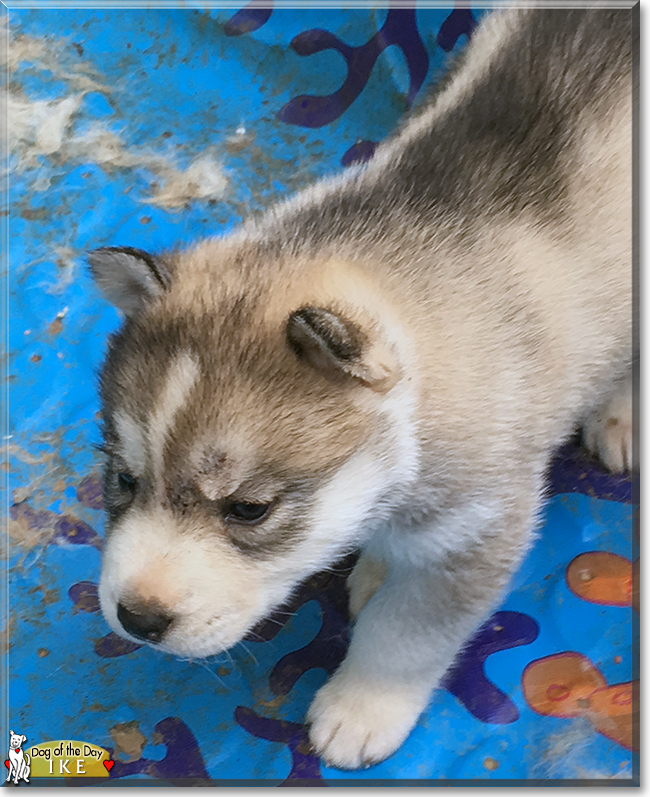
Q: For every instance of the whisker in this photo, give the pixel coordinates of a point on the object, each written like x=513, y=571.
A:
x=249, y=653
x=233, y=662
x=272, y=620
x=258, y=638
x=53, y=671
x=202, y=663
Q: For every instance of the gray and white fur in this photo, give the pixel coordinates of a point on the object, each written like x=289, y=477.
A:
x=387, y=360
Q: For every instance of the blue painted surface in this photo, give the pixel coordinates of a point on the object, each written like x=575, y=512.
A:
x=174, y=87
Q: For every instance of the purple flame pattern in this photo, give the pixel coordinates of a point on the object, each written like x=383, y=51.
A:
x=250, y=18
x=182, y=764
x=466, y=679
x=459, y=23
x=305, y=768
x=400, y=28
x=63, y=528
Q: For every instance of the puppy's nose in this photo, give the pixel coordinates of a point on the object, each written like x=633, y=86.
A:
x=144, y=622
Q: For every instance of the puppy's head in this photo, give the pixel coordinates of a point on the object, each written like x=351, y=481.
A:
x=248, y=432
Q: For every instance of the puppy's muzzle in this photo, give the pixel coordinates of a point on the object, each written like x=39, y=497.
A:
x=144, y=621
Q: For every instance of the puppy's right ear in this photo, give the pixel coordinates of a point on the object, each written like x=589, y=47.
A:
x=340, y=350
x=128, y=277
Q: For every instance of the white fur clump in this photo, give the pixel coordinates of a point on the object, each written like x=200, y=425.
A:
x=203, y=179
x=60, y=130
x=39, y=127
x=173, y=187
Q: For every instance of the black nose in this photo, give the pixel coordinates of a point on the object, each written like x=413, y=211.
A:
x=143, y=622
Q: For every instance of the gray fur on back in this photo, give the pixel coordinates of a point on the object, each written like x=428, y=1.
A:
x=501, y=149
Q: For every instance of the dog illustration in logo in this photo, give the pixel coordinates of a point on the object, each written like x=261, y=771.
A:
x=18, y=762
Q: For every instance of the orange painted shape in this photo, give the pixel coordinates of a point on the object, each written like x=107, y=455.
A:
x=636, y=586
x=616, y=712
x=601, y=577
x=560, y=685
x=613, y=700
x=568, y=685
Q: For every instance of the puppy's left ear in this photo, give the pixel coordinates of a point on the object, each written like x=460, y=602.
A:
x=341, y=350
x=128, y=277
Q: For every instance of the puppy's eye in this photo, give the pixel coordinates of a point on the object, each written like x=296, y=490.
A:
x=243, y=512
x=127, y=481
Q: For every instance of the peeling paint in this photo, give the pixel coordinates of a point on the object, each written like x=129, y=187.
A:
x=129, y=740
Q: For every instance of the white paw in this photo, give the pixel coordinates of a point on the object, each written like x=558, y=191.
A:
x=608, y=433
x=363, y=582
x=354, y=724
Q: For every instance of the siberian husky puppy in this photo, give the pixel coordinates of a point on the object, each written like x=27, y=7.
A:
x=388, y=361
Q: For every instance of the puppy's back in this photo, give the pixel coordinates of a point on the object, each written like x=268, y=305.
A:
x=500, y=140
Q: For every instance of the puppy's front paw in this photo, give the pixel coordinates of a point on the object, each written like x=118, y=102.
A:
x=608, y=432
x=355, y=724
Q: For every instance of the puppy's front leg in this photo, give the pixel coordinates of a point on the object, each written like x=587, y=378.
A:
x=403, y=643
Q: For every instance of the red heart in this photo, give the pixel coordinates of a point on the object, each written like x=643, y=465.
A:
x=109, y=765
x=8, y=764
